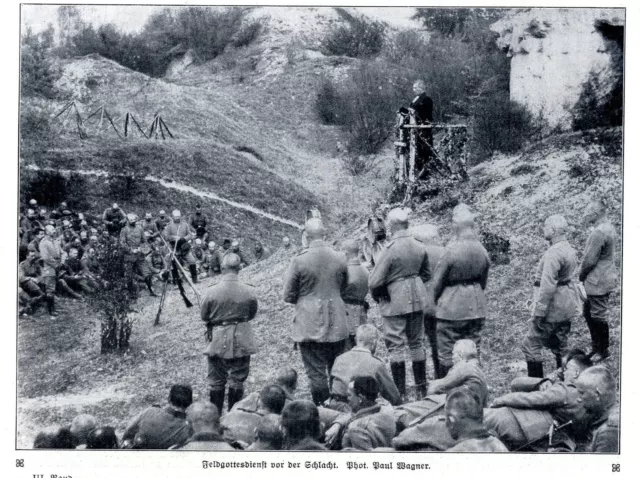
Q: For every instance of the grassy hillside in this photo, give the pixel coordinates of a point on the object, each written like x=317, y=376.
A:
x=512, y=196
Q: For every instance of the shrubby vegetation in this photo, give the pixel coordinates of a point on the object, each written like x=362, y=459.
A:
x=357, y=37
x=37, y=74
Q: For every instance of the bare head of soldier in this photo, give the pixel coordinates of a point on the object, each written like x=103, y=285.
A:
x=367, y=337
x=427, y=233
x=463, y=218
x=362, y=393
x=287, y=378
x=230, y=264
x=398, y=220
x=300, y=420
x=555, y=226
x=595, y=210
x=272, y=399
x=464, y=350
x=351, y=248
x=49, y=230
x=81, y=426
x=268, y=434
x=419, y=87
x=204, y=417
x=464, y=413
x=574, y=363
x=176, y=215
x=132, y=219
x=597, y=389
x=315, y=229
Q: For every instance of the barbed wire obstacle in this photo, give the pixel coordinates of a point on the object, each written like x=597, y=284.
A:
x=71, y=110
x=158, y=128
x=100, y=126
x=129, y=119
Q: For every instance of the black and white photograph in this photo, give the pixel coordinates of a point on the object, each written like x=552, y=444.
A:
x=319, y=228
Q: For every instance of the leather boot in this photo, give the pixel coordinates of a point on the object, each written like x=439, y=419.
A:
x=217, y=398
x=535, y=369
x=420, y=378
x=51, y=306
x=558, y=360
x=194, y=273
x=147, y=281
x=399, y=372
x=443, y=370
x=320, y=395
x=69, y=290
x=234, y=396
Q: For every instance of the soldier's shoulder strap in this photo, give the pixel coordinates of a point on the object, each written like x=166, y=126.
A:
x=390, y=243
x=303, y=251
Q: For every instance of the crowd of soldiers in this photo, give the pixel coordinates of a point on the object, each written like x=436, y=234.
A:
x=60, y=251
x=422, y=290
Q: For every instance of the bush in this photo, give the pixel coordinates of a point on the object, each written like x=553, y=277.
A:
x=34, y=126
x=328, y=103
x=501, y=125
x=37, y=74
x=113, y=302
x=247, y=35
x=126, y=175
x=50, y=188
x=358, y=38
x=356, y=165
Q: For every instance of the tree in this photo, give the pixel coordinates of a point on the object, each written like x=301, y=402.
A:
x=70, y=23
x=37, y=75
x=113, y=301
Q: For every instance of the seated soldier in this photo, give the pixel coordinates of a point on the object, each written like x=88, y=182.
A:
x=72, y=274
x=598, y=393
x=205, y=420
x=519, y=418
x=29, y=279
x=301, y=426
x=370, y=425
x=268, y=434
x=212, y=259
x=102, y=438
x=466, y=372
x=159, y=428
x=464, y=419
x=286, y=378
x=360, y=361
x=239, y=424
x=260, y=252
x=81, y=426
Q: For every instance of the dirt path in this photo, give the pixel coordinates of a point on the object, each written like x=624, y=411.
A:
x=179, y=187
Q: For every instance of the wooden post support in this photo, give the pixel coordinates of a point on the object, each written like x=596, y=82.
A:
x=412, y=148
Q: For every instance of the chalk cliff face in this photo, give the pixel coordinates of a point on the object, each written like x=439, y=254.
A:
x=552, y=52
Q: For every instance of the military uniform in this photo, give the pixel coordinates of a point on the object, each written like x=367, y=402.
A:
x=435, y=253
x=161, y=223
x=158, y=428
x=599, y=276
x=370, y=428
x=262, y=254
x=458, y=289
x=212, y=263
x=227, y=309
x=175, y=231
x=29, y=272
x=150, y=227
x=484, y=443
x=315, y=282
x=51, y=255
x=359, y=362
x=556, y=302
x=354, y=298
x=605, y=437
x=239, y=424
x=199, y=225
x=206, y=441
x=463, y=374
x=114, y=220
x=397, y=284
x=72, y=275
x=132, y=238
x=423, y=107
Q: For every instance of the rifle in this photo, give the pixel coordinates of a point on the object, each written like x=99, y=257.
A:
x=176, y=264
x=552, y=429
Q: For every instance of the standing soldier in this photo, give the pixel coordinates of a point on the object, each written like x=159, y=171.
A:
x=458, y=288
x=212, y=259
x=315, y=282
x=181, y=232
x=114, y=219
x=227, y=309
x=260, y=251
x=162, y=220
x=428, y=234
x=199, y=224
x=356, y=291
x=397, y=284
x=135, y=245
x=51, y=255
x=556, y=300
x=598, y=274
x=29, y=278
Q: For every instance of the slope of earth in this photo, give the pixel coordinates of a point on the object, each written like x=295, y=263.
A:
x=512, y=196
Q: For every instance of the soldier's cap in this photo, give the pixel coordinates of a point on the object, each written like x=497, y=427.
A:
x=66, y=212
x=286, y=239
x=43, y=211
x=49, y=228
x=162, y=212
x=83, y=223
x=314, y=227
x=66, y=223
x=212, y=244
x=351, y=245
x=425, y=232
x=176, y=213
x=231, y=261
x=132, y=217
x=80, y=215
x=63, y=204
x=463, y=214
x=30, y=212
x=115, y=205
x=198, y=241
x=33, y=202
x=148, y=215
x=398, y=216
x=235, y=244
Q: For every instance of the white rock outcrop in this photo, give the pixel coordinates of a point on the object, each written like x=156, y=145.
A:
x=552, y=51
